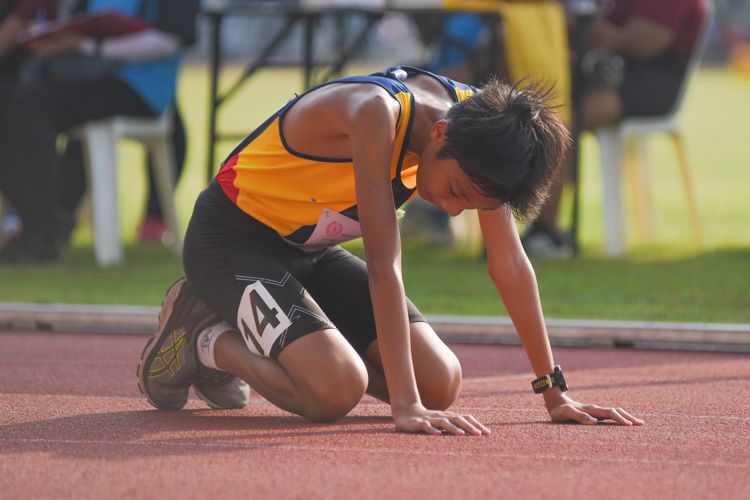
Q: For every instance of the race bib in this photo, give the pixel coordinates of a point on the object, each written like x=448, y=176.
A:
x=260, y=319
x=331, y=229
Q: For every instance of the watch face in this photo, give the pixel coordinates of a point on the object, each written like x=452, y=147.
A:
x=559, y=379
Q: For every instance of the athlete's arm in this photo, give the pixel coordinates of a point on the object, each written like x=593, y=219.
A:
x=371, y=124
x=514, y=278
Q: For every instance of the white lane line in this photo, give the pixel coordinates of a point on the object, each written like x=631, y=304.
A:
x=391, y=451
x=711, y=417
x=639, y=415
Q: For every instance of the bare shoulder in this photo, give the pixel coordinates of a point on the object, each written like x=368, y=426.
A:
x=322, y=121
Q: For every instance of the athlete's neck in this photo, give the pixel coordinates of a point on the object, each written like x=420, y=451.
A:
x=431, y=103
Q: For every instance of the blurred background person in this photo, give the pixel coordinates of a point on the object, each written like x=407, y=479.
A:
x=655, y=40
x=15, y=17
x=133, y=74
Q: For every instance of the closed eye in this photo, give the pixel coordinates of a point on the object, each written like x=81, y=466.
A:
x=461, y=193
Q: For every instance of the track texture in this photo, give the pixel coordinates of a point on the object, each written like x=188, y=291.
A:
x=73, y=425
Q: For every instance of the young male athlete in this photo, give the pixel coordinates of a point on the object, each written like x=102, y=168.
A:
x=272, y=301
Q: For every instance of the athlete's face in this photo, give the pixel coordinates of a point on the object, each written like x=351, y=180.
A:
x=444, y=184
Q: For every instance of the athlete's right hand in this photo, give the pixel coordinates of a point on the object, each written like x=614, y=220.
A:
x=419, y=419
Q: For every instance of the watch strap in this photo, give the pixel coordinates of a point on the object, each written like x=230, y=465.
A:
x=546, y=382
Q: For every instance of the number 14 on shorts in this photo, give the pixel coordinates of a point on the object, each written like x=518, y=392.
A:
x=260, y=319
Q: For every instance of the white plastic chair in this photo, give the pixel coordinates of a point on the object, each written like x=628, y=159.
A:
x=99, y=140
x=622, y=144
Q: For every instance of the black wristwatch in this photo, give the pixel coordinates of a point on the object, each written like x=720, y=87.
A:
x=554, y=379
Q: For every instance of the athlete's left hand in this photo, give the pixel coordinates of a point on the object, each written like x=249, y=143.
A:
x=563, y=409
x=417, y=418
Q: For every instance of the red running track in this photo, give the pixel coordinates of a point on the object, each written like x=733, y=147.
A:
x=74, y=425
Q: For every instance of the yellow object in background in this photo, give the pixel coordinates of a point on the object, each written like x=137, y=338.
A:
x=739, y=59
x=536, y=42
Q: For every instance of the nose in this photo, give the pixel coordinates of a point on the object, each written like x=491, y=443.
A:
x=453, y=208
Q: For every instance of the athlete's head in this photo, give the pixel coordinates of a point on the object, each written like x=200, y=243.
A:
x=509, y=141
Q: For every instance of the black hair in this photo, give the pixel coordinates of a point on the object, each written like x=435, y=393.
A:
x=509, y=141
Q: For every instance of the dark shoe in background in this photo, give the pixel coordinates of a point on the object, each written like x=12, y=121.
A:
x=540, y=242
x=29, y=249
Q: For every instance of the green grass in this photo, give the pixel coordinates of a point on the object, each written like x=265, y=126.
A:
x=708, y=287
x=664, y=278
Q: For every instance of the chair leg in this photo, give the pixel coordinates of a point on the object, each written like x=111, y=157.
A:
x=101, y=158
x=611, y=155
x=164, y=175
x=636, y=157
x=687, y=182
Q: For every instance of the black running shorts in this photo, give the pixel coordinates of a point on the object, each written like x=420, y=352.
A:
x=270, y=291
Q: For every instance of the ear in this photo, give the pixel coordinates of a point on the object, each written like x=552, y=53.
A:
x=438, y=131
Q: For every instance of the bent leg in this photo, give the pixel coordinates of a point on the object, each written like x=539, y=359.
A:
x=318, y=376
x=436, y=368
x=340, y=286
x=279, y=340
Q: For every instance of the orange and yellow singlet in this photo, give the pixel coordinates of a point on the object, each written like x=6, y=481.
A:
x=311, y=201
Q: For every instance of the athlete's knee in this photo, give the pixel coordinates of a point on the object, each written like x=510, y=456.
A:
x=441, y=388
x=437, y=368
x=334, y=393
